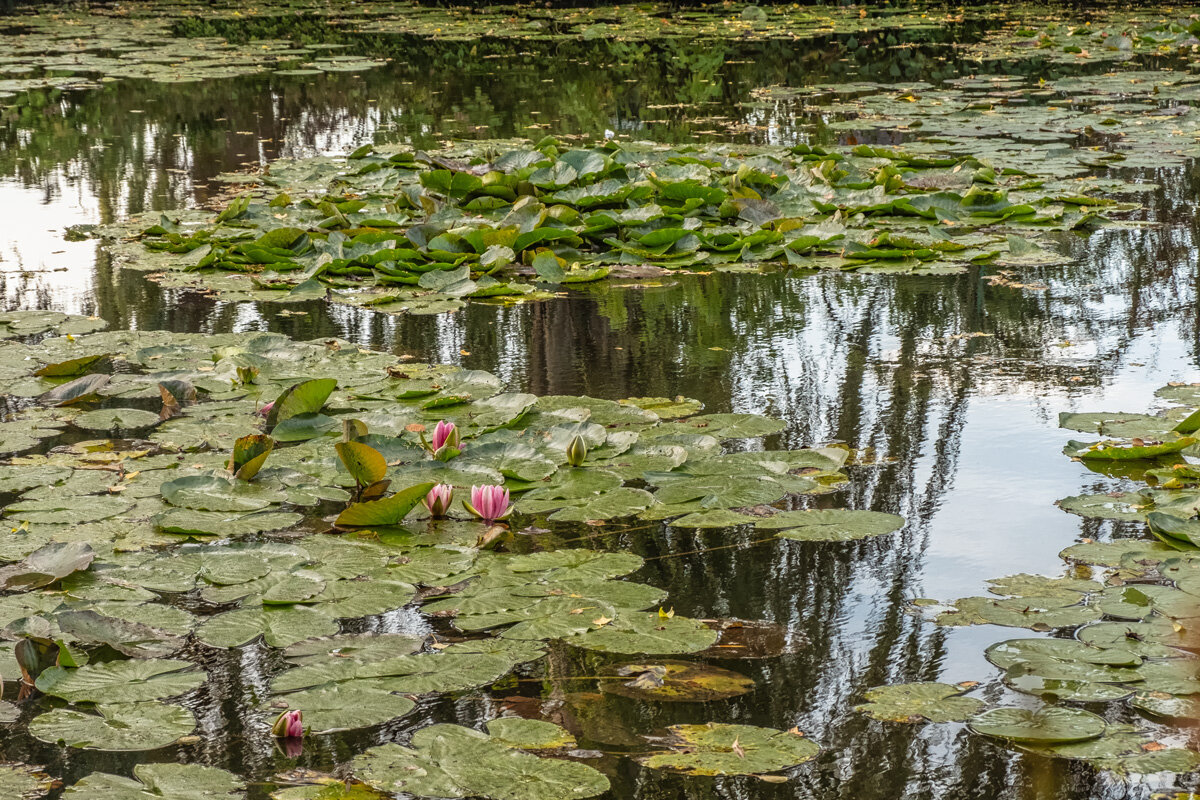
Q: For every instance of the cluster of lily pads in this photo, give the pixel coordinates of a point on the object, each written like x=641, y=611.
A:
x=1064, y=130
x=422, y=232
x=1133, y=638
x=254, y=491
x=81, y=51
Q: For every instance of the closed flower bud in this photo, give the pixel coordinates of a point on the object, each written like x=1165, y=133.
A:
x=576, y=451
x=289, y=725
x=439, y=498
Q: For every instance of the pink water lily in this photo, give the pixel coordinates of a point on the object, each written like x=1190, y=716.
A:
x=265, y=410
x=445, y=433
x=446, y=442
x=489, y=503
x=439, y=498
x=289, y=725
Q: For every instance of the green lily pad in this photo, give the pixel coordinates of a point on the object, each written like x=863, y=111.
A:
x=674, y=682
x=831, y=525
x=452, y=762
x=116, y=419
x=916, y=702
x=529, y=734
x=1052, y=725
x=279, y=626
x=163, y=781
x=718, y=749
x=648, y=632
x=345, y=706
x=127, y=726
x=121, y=681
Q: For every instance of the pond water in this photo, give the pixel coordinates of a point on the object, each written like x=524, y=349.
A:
x=955, y=381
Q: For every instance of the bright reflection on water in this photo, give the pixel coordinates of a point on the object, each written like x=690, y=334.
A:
x=965, y=423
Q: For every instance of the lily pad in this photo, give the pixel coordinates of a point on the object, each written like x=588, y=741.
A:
x=162, y=781
x=452, y=762
x=674, y=682
x=127, y=726
x=916, y=702
x=831, y=525
x=121, y=681
x=718, y=749
x=1052, y=725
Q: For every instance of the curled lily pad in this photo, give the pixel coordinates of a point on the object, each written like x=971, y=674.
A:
x=674, y=681
x=453, y=762
x=127, y=726
x=46, y=565
x=718, y=749
x=1052, y=725
x=915, y=702
x=164, y=781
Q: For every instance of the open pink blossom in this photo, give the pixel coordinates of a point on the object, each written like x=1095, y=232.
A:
x=439, y=498
x=489, y=503
x=289, y=725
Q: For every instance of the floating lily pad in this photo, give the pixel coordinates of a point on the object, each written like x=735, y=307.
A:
x=128, y=726
x=346, y=706
x=164, y=781
x=121, y=681
x=717, y=749
x=1052, y=725
x=449, y=761
x=915, y=702
x=833, y=525
x=674, y=681
x=529, y=734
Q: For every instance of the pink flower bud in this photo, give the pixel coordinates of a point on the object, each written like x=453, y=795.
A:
x=489, y=503
x=265, y=410
x=289, y=725
x=439, y=498
x=445, y=434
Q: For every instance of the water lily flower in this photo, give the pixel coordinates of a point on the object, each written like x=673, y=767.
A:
x=265, y=410
x=489, y=503
x=576, y=451
x=289, y=725
x=439, y=498
x=445, y=433
x=446, y=442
